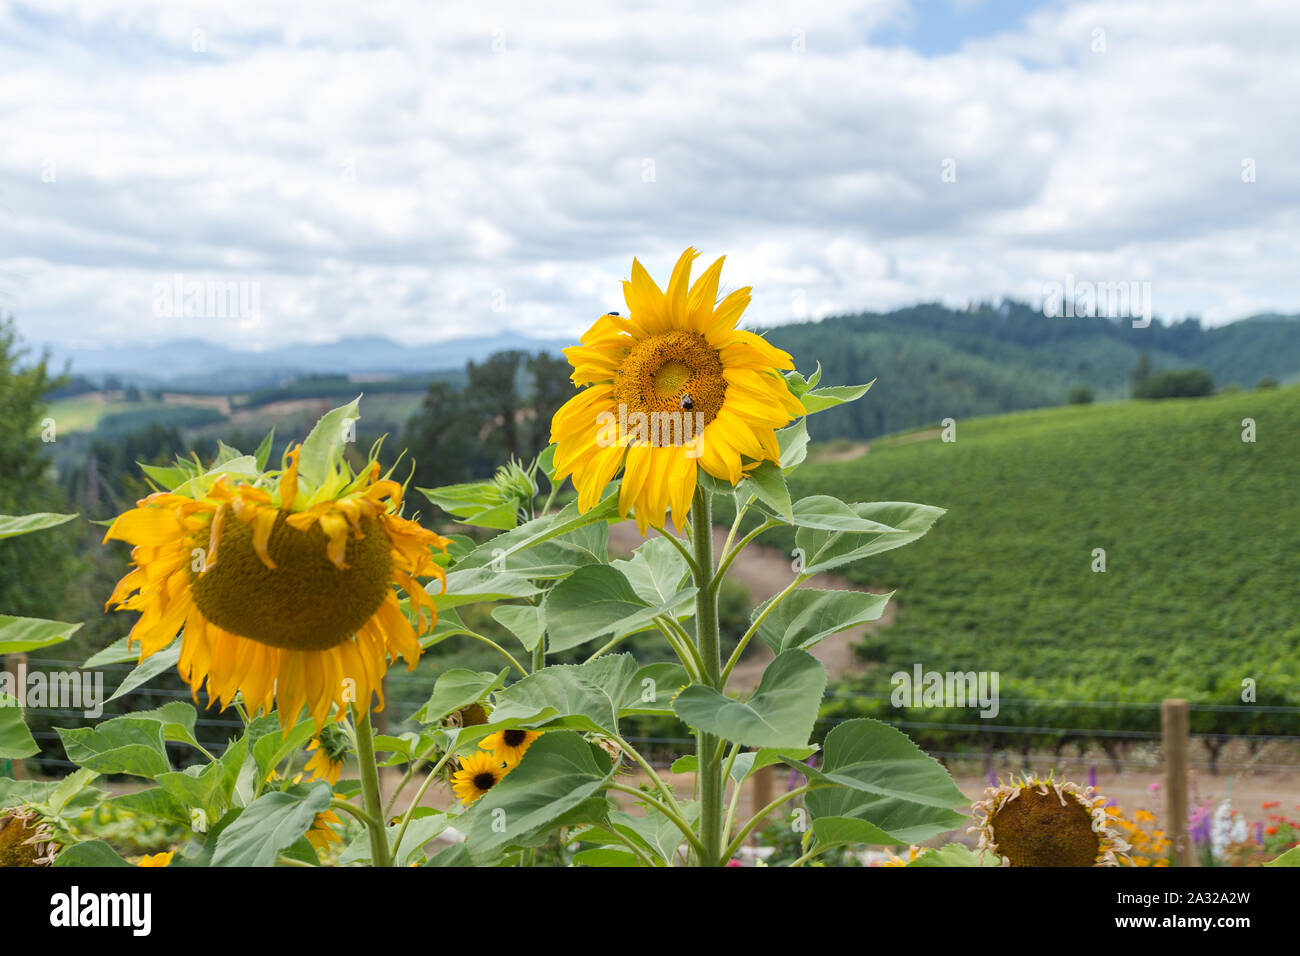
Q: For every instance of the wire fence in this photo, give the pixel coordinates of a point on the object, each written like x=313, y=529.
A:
x=403, y=689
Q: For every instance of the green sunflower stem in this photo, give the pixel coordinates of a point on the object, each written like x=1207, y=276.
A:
x=370, y=795
x=708, y=643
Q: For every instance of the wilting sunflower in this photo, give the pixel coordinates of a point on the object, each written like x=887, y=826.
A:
x=284, y=586
x=479, y=772
x=1033, y=822
x=672, y=386
x=510, y=746
x=157, y=859
x=25, y=840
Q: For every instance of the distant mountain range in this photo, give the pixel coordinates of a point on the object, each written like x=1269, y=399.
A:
x=930, y=361
x=198, y=365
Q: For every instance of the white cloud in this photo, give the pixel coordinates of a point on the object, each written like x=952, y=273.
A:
x=407, y=170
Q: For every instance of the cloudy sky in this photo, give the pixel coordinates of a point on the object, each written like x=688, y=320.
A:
x=436, y=170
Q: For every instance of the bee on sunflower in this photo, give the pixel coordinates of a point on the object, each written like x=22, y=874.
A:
x=671, y=388
x=283, y=584
x=1033, y=822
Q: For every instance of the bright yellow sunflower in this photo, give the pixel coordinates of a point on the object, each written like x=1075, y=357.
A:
x=1034, y=822
x=157, y=859
x=284, y=587
x=671, y=387
x=479, y=772
x=510, y=746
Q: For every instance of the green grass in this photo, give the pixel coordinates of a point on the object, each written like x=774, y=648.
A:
x=1199, y=530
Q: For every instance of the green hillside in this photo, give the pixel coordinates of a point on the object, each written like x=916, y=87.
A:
x=1199, y=531
x=932, y=362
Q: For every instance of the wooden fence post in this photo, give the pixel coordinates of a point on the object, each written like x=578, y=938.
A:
x=761, y=793
x=1174, y=725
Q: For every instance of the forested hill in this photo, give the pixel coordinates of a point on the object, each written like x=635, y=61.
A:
x=933, y=362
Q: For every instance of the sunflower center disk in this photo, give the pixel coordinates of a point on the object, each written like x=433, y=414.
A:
x=675, y=380
x=1035, y=830
x=306, y=603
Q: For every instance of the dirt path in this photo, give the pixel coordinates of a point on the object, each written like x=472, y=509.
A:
x=764, y=571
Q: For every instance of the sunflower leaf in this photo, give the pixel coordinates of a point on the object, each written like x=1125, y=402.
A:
x=768, y=484
x=20, y=634
x=780, y=714
x=12, y=525
x=806, y=617
x=558, y=775
x=598, y=601
x=458, y=688
x=819, y=400
x=325, y=443
x=824, y=549
x=16, y=741
x=271, y=823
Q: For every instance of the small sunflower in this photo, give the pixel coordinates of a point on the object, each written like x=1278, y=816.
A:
x=1034, y=822
x=510, y=746
x=913, y=852
x=157, y=859
x=322, y=832
x=327, y=749
x=479, y=772
x=25, y=840
x=671, y=388
x=284, y=587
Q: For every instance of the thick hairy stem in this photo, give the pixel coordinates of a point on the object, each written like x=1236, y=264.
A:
x=708, y=644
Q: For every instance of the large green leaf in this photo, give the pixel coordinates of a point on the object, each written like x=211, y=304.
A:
x=16, y=741
x=271, y=823
x=498, y=552
x=599, y=602
x=793, y=442
x=458, y=688
x=825, y=550
x=560, y=772
x=1290, y=858
x=21, y=634
x=656, y=571
x=780, y=714
x=478, y=503
x=806, y=617
x=652, y=690
x=91, y=853
x=524, y=621
x=559, y=556
x=581, y=696
x=830, y=514
x=11, y=525
x=119, y=652
x=886, y=780
x=475, y=585
x=133, y=745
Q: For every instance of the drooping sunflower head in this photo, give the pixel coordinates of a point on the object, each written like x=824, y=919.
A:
x=1033, y=822
x=328, y=750
x=672, y=387
x=479, y=772
x=283, y=582
x=25, y=840
x=509, y=746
